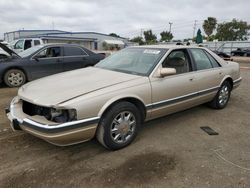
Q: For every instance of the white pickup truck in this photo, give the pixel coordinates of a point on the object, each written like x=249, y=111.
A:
x=20, y=45
x=25, y=43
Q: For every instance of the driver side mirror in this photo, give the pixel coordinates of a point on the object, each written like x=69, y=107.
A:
x=167, y=71
x=36, y=58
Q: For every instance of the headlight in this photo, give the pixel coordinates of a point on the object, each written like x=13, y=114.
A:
x=62, y=115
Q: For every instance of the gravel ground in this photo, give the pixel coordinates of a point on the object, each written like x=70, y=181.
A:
x=169, y=152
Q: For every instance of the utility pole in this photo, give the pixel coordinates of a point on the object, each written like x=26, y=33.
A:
x=53, y=25
x=141, y=33
x=195, y=25
x=170, y=26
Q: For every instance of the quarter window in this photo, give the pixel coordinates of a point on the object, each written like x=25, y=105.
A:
x=36, y=42
x=74, y=51
x=201, y=59
x=212, y=60
x=179, y=60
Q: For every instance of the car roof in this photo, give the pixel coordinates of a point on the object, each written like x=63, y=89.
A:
x=61, y=44
x=163, y=46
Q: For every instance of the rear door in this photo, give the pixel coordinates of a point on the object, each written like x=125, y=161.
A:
x=75, y=58
x=208, y=73
x=46, y=62
x=175, y=92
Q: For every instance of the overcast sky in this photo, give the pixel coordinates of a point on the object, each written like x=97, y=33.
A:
x=124, y=17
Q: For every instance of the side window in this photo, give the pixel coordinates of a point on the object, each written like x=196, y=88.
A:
x=36, y=42
x=179, y=60
x=201, y=59
x=49, y=52
x=27, y=44
x=19, y=44
x=74, y=51
x=212, y=60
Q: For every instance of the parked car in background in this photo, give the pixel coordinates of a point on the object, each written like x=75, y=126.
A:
x=24, y=44
x=241, y=52
x=112, y=99
x=44, y=60
x=223, y=55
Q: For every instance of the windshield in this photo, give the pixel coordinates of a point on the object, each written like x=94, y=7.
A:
x=140, y=61
x=29, y=51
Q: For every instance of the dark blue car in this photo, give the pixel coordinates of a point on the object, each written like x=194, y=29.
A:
x=44, y=60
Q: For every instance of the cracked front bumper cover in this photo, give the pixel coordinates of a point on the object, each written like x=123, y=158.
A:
x=59, y=134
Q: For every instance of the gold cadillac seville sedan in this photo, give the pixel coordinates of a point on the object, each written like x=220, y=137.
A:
x=111, y=100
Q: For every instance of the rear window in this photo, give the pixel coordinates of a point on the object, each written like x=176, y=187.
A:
x=36, y=42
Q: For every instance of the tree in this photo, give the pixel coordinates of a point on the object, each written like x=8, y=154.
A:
x=114, y=35
x=209, y=25
x=150, y=38
x=232, y=31
x=138, y=40
x=199, y=38
x=166, y=36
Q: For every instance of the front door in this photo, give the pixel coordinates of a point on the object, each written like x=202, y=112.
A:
x=47, y=62
x=176, y=92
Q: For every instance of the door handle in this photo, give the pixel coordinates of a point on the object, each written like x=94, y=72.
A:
x=220, y=73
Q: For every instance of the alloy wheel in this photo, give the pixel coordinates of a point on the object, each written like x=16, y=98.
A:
x=123, y=127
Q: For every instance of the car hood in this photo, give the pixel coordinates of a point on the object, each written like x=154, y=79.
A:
x=8, y=50
x=56, y=89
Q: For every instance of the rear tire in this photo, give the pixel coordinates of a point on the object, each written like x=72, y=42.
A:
x=14, y=78
x=222, y=97
x=119, y=126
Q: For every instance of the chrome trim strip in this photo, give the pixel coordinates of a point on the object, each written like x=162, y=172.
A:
x=58, y=126
x=61, y=127
x=181, y=98
x=237, y=80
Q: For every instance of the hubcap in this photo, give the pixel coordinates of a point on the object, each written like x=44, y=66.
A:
x=224, y=95
x=123, y=127
x=15, y=78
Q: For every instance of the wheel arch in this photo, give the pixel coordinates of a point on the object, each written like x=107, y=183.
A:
x=132, y=99
x=229, y=79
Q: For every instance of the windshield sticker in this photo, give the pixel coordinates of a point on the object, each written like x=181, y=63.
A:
x=147, y=51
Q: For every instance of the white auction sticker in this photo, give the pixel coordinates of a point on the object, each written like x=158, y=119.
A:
x=148, y=51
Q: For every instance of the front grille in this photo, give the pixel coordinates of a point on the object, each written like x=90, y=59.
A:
x=32, y=109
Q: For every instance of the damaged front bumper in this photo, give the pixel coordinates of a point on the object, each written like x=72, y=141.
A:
x=59, y=134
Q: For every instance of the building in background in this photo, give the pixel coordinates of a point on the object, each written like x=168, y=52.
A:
x=91, y=40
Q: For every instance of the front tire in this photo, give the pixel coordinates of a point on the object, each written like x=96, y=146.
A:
x=119, y=126
x=14, y=78
x=222, y=97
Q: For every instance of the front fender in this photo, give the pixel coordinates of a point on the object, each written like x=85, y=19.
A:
x=118, y=98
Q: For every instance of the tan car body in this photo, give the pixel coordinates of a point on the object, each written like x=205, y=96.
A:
x=91, y=91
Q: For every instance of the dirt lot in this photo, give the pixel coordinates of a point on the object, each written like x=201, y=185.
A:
x=169, y=152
